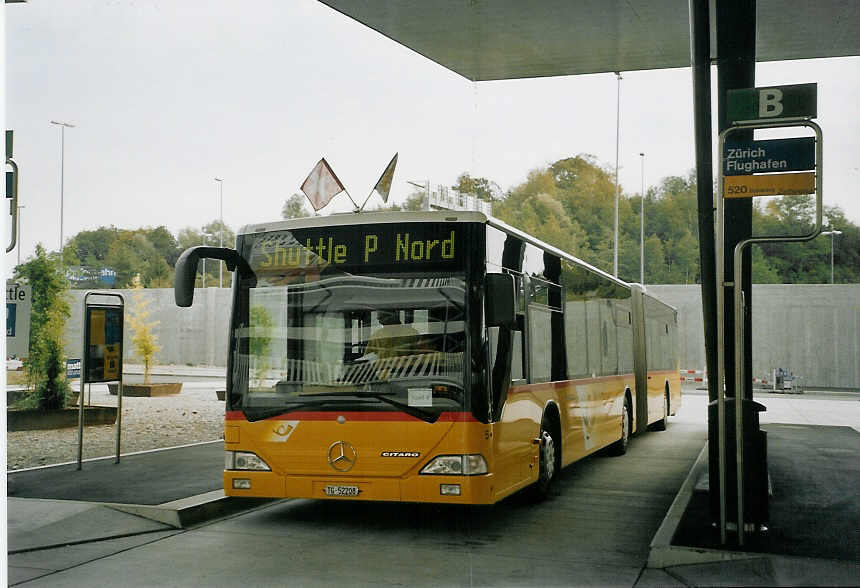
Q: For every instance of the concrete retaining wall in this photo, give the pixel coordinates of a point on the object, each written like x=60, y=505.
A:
x=188, y=336
x=810, y=330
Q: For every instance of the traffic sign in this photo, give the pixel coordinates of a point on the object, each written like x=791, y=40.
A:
x=777, y=102
x=73, y=368
x=768, y=185
x=772, y=155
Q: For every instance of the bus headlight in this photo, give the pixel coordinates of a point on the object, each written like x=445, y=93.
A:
x=456, y=465
x=244, y=460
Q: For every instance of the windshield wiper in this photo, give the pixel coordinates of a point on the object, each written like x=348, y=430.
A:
x=259, y=414
x=427, y=416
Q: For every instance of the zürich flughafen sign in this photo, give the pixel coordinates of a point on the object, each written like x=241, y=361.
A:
x=773, y=155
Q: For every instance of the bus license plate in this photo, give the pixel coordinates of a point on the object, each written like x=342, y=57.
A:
x=331, y=490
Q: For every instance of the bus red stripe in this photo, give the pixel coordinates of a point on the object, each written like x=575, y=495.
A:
x=375, y=416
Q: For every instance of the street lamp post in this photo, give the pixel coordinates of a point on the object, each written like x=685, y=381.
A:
x=62, y=126
x=642, y=227
x=832, y=244
x=617, y=148
x=221, y=221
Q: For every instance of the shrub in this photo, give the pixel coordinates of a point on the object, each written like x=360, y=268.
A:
x=144, y=340
x=48, y=315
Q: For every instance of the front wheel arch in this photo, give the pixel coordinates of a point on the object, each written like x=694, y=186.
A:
x=550, y=444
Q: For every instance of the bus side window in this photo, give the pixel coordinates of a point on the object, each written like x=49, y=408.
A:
x=517, y=356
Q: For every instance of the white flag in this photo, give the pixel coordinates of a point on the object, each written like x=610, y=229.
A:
x=383, y=186
x=321, y=185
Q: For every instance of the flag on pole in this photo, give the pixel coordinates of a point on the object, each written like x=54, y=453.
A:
x=383, y=186
x=321, y=185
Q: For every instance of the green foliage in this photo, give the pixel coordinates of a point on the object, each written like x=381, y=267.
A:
x=49, y=311
x=144, y=340
x=260, y=342
x=150, y=253
x=571, y=204
x=294, y=207
x=209, y=234
x=482, y=188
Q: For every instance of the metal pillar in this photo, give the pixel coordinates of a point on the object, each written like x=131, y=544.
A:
x=700, y=51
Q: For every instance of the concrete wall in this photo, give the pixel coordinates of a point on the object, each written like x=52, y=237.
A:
x=811, y=330
x=188, y=336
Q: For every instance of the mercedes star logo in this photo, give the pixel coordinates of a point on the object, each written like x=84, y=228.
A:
x=341, y=456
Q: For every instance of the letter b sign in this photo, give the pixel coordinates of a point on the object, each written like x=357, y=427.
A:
x=769, y=103
x=749, y=104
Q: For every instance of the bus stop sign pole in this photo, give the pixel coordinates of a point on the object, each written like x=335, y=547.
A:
x=101, y=356
x=746, y=187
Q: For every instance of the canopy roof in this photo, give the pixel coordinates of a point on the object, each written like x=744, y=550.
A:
x=504, y=39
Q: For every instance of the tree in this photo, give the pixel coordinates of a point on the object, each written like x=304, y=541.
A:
x=164, y=243
x=217, y=234
x=209, y=234
x=481, y=188
x=762, y=271
x=294, y=207
x=144, y=340
x=124, y=258
x=48, y=314
x=90, y=246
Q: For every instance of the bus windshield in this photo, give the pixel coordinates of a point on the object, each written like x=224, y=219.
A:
x=316, y=338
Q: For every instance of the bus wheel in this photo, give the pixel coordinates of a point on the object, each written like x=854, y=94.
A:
x=548, y=460
x=661, y=424
x=620, y=446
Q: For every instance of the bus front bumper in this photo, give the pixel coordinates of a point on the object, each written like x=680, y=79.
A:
x=437, y=489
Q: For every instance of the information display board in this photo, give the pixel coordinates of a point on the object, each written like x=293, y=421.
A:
x=18, y=302
x=103, y=343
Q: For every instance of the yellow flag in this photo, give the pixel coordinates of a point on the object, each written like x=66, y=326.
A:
x=383, y=186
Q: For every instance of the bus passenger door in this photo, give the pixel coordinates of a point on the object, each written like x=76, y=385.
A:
x=511, y=430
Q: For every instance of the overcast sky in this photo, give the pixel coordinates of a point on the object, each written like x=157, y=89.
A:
x=167, y=95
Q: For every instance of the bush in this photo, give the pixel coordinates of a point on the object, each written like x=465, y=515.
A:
x=45, y=362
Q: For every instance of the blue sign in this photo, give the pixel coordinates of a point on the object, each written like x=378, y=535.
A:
x=73, y=369
x=772, y=155
x=11, y=311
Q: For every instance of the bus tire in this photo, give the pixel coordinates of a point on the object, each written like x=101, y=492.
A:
x=548, y=460
x=661, y=424
x=620, y=446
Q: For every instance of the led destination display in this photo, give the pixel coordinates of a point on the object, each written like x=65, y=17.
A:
x=378, y=248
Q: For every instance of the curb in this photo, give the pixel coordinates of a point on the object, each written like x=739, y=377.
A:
x=663, y=554
x=187, y=512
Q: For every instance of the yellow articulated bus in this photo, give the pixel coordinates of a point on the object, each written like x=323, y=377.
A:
x=428, y=357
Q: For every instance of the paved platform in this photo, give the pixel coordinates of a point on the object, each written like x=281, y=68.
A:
x=77, y=528
x=153, y=477
x=147, y=492
x=813, y=535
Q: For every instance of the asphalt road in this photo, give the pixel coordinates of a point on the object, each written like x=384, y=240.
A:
x=594, y=529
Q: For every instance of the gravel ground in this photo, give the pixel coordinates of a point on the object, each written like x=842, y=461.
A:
x=194, y=415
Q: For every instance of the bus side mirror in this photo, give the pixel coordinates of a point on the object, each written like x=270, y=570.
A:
x=499, y=304
x=186, y=269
